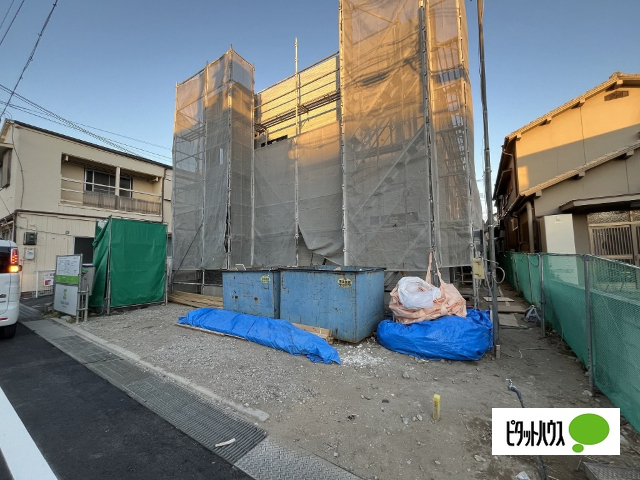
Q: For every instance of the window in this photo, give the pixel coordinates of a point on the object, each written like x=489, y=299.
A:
x=5, y=169
x=105, y=183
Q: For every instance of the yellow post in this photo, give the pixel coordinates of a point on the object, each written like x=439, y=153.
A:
x=436, y=407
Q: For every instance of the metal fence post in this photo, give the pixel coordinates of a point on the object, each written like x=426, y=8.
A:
x=587, y=300
x=528, y=257
x=37, y=283
x=542, y=300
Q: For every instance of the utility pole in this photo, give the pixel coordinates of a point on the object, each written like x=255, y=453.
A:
x=491, y=249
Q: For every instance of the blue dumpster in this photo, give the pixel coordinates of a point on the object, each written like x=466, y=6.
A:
x=255, y=292
x=347, y=300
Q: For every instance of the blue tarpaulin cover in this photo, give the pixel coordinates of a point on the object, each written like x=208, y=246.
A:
x=271, y=332
x=450, y=337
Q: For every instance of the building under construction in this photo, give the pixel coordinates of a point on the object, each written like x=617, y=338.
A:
x=365, y=158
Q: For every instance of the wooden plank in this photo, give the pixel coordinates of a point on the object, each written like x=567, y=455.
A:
x=500, y=299
x=511, y=309
x=323, y=333
x=198, y=329
x=194, y=300
x=194, y=304
x=197, y=296
x=509, y=320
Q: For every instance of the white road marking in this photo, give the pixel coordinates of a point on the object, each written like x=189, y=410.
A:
x=22, y=455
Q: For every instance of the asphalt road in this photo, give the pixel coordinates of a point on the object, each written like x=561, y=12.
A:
x=87, y=428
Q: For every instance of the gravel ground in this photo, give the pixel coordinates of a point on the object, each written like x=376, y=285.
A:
x=371, y=415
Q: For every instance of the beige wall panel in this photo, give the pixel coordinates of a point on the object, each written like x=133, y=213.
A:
x=633, y=172
x=581, y=234
x=9, y=195
x=53, y=240
x=577, y=136
x=609, y=125
x=549, y=150
x=605, y=180
x=72, y=171
x=168, y=217
x=168, y=185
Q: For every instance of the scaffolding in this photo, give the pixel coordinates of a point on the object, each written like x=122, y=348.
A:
x=364, y=158
x=212, y=160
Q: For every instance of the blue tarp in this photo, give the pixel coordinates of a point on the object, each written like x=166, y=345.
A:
x=274, y=333
x=450, y=337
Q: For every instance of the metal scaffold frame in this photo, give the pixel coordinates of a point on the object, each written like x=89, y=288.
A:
x=364, y=158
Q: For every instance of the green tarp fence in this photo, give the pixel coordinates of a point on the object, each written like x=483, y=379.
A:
x=130, y=257
x=614, y=317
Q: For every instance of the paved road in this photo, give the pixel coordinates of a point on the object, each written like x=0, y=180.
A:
x=87, y=428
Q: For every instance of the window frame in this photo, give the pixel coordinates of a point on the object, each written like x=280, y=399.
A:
x=108, y=188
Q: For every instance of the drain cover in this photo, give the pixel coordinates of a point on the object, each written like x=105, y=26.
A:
x=596, y=471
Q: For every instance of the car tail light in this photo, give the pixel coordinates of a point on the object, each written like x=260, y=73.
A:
x=15, y=259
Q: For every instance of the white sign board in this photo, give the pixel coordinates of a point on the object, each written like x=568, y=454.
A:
x=48, y=279
x=65, y=299
x=67, y=283
x=68, y=265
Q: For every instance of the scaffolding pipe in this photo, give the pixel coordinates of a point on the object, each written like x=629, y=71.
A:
x=229, y=146
x=253, y=171
x=343, y=154
x=296, y=192
x=428, y=125
x=487, y=183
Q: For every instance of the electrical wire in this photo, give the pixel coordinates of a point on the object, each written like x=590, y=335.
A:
x=33, y=112
x=33, y=52
x=69, y=123
x=6, y=14
x=12, y=20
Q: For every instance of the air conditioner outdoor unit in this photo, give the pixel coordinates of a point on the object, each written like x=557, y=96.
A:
x=30, y=238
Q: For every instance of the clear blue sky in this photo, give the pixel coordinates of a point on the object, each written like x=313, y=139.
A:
x=114, y=64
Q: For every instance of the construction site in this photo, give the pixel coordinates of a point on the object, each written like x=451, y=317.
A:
x=364, y=158
x=324, y=300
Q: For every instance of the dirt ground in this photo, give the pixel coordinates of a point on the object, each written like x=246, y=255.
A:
x=353, y=415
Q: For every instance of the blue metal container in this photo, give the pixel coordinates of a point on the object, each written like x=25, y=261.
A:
x=347, y=300
x=255, y=292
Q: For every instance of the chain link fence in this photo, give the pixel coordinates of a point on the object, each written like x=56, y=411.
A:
x=593, y=303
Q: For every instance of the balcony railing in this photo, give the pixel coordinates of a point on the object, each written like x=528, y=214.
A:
x=126, y=204
x=73, y=192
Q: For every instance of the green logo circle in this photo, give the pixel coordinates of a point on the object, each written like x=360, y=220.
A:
x=588, y=429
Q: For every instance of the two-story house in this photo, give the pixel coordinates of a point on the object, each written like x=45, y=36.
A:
x=569, y=182
x=53, y=188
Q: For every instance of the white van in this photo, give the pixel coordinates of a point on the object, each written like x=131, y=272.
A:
x=9, y=288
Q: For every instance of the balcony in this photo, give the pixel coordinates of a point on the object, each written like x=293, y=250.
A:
x=82, y=193
x=125, y=204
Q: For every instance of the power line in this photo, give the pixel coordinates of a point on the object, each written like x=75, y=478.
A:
x=6, y=14
x=12, y=20
x=36, y=114
x=46, y=22
x=66, y=122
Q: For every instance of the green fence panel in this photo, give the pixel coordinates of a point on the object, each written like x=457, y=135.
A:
x=615, y=314
x=100, y=261
x=523, y=275
x=565, y=305
x=534, y=278
x=137, y=262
